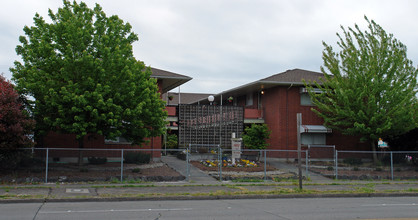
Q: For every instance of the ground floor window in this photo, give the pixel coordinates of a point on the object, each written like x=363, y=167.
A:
x=313, y=138
x=117, y=140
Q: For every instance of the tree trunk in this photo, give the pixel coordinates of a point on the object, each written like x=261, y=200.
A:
x=80, y=152
x=375, y=159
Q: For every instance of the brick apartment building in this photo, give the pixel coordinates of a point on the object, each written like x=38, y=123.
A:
x=166, y=81
x=274, y=100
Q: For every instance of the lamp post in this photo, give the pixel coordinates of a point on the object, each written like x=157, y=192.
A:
x=211, y=99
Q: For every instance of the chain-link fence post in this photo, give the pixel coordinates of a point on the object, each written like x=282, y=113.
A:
x=187, y=163
x=121, y=165
x=220, y=164
x=265, y=165
x=336, y=164
x=391, y=164
x=306, y=163
x=46, y=165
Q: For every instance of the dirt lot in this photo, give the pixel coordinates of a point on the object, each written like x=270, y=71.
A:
x=367, y=174
x=88, y=172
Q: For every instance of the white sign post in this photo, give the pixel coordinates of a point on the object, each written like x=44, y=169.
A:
x=236, y=148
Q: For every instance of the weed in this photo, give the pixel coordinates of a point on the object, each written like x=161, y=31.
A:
x=114, y=180
x=353, y=161
x=136, y=170
x=247, y=180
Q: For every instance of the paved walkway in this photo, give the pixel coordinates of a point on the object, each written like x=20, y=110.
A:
x=196, y=175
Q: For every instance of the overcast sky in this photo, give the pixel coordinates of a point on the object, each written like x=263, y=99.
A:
x=223, y=44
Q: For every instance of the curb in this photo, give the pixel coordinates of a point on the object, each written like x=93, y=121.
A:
x=223, y=197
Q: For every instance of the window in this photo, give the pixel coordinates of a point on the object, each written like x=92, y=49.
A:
x=313, y=138
x=305, y=99
x=117, y=140
x=249, y=99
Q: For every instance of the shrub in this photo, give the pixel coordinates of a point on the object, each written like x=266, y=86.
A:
x=378, y=169
x=256, y=136
x=137, y=158
x=136, y=170
x=330, y=168
x=356, y=169
x=172, y=141
x=353, y=161
x=12, y=159
x=97, y=160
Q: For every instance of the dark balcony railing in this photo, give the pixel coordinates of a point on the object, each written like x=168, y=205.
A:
x=171, y=110
x=250, y=113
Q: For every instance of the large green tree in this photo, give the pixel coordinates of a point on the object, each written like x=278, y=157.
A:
x=370, y=86
x=82, y=74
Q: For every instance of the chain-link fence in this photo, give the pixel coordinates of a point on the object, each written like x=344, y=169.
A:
x=205, y=163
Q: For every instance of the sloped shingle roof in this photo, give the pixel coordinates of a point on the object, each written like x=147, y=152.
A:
x=169, y=80
x=294, y=76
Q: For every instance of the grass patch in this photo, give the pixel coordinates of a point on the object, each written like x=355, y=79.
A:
x=247, y=180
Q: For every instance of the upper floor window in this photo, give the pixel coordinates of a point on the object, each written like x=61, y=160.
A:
x=249, y=100
x=305, y=98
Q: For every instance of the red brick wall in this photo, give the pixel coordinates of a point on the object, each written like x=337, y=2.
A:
x=281, y=104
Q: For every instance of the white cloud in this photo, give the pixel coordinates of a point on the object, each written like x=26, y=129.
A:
x=223, y=44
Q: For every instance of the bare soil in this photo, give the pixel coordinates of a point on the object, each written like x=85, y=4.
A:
x=104, y=172
x=367, y=174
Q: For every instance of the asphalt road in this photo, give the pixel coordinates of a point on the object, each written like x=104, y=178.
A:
x=298, y=208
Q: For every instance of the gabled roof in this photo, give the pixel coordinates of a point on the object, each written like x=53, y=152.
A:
x=288, y=78
x=294, y=76
x=169, y=80
x=184, y=98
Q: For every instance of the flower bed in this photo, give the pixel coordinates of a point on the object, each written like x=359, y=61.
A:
x=239, y=166
x=228, y=163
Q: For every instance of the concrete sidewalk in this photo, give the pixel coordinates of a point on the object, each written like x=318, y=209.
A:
x=192, y=191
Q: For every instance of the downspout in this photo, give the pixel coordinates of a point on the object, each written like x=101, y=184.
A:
x=287, y=121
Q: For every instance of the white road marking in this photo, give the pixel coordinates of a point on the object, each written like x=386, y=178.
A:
x=377, y=205
x=113, y=210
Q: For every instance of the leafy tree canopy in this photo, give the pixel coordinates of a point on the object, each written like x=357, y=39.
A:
x=256, y=136
x=370, y=85
x=82, y=74
x=15, y=124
